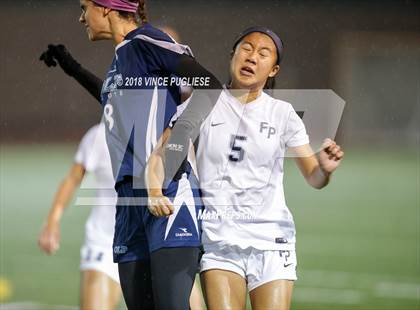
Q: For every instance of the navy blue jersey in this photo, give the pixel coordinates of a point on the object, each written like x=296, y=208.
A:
x=138, y=103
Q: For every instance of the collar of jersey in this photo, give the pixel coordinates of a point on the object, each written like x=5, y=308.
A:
x=133, y=33
x=251, y=105
x=129, y=36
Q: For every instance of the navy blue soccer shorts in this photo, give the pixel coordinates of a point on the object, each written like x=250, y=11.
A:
x=138, y=232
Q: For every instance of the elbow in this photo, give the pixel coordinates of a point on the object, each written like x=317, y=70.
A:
x=316, y=184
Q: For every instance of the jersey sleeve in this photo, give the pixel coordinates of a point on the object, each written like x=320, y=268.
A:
x=89, y=81
x=295, y=134
x=84, y=151
x=167, y=55
x=179, y=110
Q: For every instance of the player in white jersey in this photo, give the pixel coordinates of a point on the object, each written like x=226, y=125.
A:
x=248, y=231
x=100, y=288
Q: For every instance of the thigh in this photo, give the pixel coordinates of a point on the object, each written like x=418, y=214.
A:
x=196, y=297
x=223, y=289
x=276, y=295
x=266, y=266
x=98, y=291
x=136, y=284
x=173, y=274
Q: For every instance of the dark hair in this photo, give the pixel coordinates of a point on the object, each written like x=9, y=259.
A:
x=140, y=17
x=270, y=83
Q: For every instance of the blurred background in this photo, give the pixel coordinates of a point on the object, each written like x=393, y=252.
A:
x=358, y=240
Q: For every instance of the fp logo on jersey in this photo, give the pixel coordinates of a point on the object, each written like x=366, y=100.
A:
x=264, y=127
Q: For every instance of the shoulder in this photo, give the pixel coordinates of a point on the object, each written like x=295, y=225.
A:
x=86, y=145
x=153, y=38
x=278, y=105
x=152, y=32
x=91, y=134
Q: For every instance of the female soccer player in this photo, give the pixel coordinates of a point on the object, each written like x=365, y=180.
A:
x=100, y=288
x=104, y=222
x=136, y=112
x=248, y=231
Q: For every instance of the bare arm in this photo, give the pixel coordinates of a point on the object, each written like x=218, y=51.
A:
x=49, y=238
x=317, y=168
x=159, y=205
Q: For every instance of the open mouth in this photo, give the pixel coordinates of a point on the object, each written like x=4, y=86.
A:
x=247, y=71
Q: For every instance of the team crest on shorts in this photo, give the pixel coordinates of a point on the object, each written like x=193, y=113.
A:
x=120, y=249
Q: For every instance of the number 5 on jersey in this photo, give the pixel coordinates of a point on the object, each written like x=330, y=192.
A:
x=237, y=152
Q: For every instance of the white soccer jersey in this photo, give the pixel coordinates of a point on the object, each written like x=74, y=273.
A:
x=94, y=156
x=240, y=166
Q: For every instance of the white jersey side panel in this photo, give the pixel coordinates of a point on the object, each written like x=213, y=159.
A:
x=94, y=156
x=240, y=165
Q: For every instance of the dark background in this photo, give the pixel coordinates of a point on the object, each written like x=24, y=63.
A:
x=368, y=52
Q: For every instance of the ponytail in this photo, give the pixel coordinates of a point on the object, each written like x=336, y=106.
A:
x=140, y=17
x=141, y=11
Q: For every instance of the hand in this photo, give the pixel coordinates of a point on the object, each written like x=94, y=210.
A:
x=49, y=239
x=160, y=205
x=60, y=54
x=330, y=156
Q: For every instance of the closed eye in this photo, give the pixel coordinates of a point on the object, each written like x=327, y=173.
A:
x=247, y=47
x=265, y=52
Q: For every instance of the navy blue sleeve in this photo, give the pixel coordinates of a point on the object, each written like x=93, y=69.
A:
x=89, y=81
x=188, y=125
x=181, y=65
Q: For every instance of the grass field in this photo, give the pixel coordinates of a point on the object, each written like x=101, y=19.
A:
x=358, y=240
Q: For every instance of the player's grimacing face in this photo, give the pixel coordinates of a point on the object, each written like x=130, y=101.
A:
x=253, y=62
x=93, y=18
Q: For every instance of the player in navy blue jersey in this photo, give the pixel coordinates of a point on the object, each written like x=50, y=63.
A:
x=139, y=99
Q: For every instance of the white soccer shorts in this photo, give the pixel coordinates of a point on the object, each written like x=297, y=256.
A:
x=256, y=266
x=99, y=259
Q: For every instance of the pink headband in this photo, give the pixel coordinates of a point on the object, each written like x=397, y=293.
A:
x=119, y=5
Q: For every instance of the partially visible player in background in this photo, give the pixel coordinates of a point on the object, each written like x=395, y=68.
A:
x=100, y=287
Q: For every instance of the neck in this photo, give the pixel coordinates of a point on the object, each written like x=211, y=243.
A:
x=245, y=95
x=120, y=28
